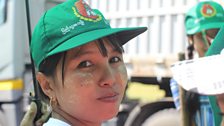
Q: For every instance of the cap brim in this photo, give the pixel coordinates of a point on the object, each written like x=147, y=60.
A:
x=123, y=34
x=216, y=47
x=217, y=44
x=205, y=27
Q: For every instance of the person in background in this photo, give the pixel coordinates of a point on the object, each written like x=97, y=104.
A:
x=213, y=75
x=79, y=63
x=218, y=48
x=202, y=23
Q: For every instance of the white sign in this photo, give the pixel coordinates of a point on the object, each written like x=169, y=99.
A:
x=203, y=75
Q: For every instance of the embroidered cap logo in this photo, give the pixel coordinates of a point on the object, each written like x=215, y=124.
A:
x=84, y=12
x=208, y=10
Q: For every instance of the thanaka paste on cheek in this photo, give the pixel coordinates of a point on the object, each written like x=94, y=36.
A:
x=123, y=72
x=86, y=78
x=73, y=100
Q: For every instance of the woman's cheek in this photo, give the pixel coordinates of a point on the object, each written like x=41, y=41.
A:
x=72, y=100
x=86, y=78
x=123, y=74
x=81, y=79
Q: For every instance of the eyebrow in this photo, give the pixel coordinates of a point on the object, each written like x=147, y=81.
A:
x=81, y=53
x=90, y=51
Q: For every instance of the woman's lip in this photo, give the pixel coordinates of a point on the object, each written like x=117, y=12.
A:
x=109, y=97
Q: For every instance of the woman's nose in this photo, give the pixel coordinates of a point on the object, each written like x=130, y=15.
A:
x=107, y=76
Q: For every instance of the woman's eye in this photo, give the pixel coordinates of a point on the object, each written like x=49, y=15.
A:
x=115, y=59
x=84, y=64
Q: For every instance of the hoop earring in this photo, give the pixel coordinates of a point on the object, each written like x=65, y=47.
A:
x=53, y=102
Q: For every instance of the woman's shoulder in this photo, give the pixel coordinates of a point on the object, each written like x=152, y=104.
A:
x=55, y=122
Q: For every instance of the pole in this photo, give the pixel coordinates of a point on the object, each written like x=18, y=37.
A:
x=35, y=98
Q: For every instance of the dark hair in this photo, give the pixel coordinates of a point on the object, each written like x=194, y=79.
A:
x=48, y=66
x=191, y=99
x=190, y=51
x=190, y=48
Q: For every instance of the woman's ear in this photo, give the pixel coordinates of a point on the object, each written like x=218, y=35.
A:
x=45, y=84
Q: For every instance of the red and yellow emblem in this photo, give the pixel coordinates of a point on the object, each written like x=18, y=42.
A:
x=208, y=10
x=83, y=11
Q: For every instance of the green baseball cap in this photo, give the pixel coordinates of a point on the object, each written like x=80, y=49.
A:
x=72, y=24
x=205, y=15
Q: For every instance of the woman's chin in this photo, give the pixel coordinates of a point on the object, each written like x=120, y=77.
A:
x=109, y=116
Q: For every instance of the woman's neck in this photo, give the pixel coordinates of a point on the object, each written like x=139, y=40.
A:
x=63, y=116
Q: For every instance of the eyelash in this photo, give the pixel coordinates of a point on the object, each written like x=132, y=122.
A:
x=84, y=64
x=113, y=58
x=87, y=63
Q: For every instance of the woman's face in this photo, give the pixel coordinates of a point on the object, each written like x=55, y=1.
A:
x=200, y=46
x=93, y=84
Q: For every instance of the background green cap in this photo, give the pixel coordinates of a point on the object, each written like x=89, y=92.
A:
x=205, y=15
x=72, y=24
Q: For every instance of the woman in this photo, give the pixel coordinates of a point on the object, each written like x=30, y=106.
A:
x=202, y=23
x=80, y=66
x=88, y=83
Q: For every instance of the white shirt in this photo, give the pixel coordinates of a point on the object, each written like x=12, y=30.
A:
x=55, y=122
